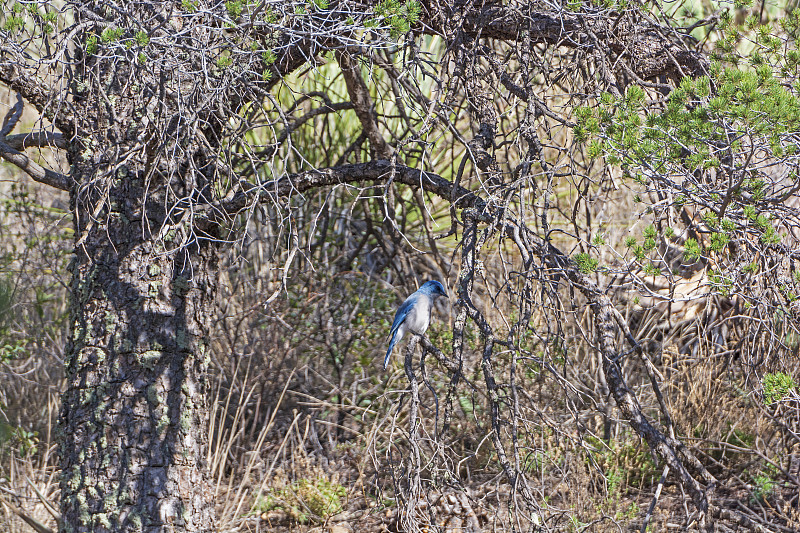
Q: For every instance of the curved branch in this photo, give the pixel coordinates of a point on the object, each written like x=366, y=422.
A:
x=378, y=171
x=21, y=79
x=644, y=44
x=650, y=52
x=33, y=169
x=37, y=139
x=10, y=154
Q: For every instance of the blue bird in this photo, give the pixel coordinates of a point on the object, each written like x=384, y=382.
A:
x=414, y=314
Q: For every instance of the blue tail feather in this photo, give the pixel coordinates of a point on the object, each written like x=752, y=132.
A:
x=389, y=351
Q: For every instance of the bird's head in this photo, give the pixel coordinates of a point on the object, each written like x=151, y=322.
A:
x=433, y=288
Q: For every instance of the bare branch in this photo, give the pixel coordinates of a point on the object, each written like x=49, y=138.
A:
x=33, y=169
x=373, y=171
x=37, y=139
x=33, y=89
x=649, y=52
x=10, y=122
x=10, y=154
x=359, y=94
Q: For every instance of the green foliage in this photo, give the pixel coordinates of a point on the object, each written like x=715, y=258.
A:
x=10, y=350
x=651, y=269
x=720, y=282
x=728, y=224
x=27, y=17
x=268, y=56
x=691, y=250
x=110, y=35
x=190, y=6
x=91, y=44
x=777, y=386
x=14, y=23
x=622, y=463
x=224, y=61
x=269, y=15
x=586, y=264
x=142, y=39
x=595, y=149
x=718, y=241
x=235, y=8
x=723, y=115
x=305, y=501
x=574, y=5
x=770, y=236
x=399, y=16
x=764, y=485
x=24, y=442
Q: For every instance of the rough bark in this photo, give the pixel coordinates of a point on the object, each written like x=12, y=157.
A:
x=134, y=416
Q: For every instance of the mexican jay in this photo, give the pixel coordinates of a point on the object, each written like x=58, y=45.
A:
x=414, y=314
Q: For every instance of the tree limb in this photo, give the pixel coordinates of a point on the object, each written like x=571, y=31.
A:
x=37, y=139
x=33, y=169
x=373, y=171
x=33, y=89
x=359, y=95
x=10, y=154
x=649, y=52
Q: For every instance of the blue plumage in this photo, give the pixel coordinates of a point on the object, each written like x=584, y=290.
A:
x=414, y=314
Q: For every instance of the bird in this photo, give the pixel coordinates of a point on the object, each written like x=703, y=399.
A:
x=414, y=314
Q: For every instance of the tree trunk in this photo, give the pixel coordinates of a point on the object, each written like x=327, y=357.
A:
x=134, y=416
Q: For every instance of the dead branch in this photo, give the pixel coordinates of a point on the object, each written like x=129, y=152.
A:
x=33, y=169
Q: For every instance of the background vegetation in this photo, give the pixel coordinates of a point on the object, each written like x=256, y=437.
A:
x=676, y=196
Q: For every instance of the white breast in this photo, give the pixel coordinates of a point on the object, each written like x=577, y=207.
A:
x=419, y=317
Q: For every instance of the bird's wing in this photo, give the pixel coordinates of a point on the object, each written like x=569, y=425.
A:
x=403, y=310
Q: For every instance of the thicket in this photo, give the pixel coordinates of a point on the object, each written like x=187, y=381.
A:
x=667, y=200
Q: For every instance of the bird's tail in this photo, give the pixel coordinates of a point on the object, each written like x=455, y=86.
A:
x=389, y=351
